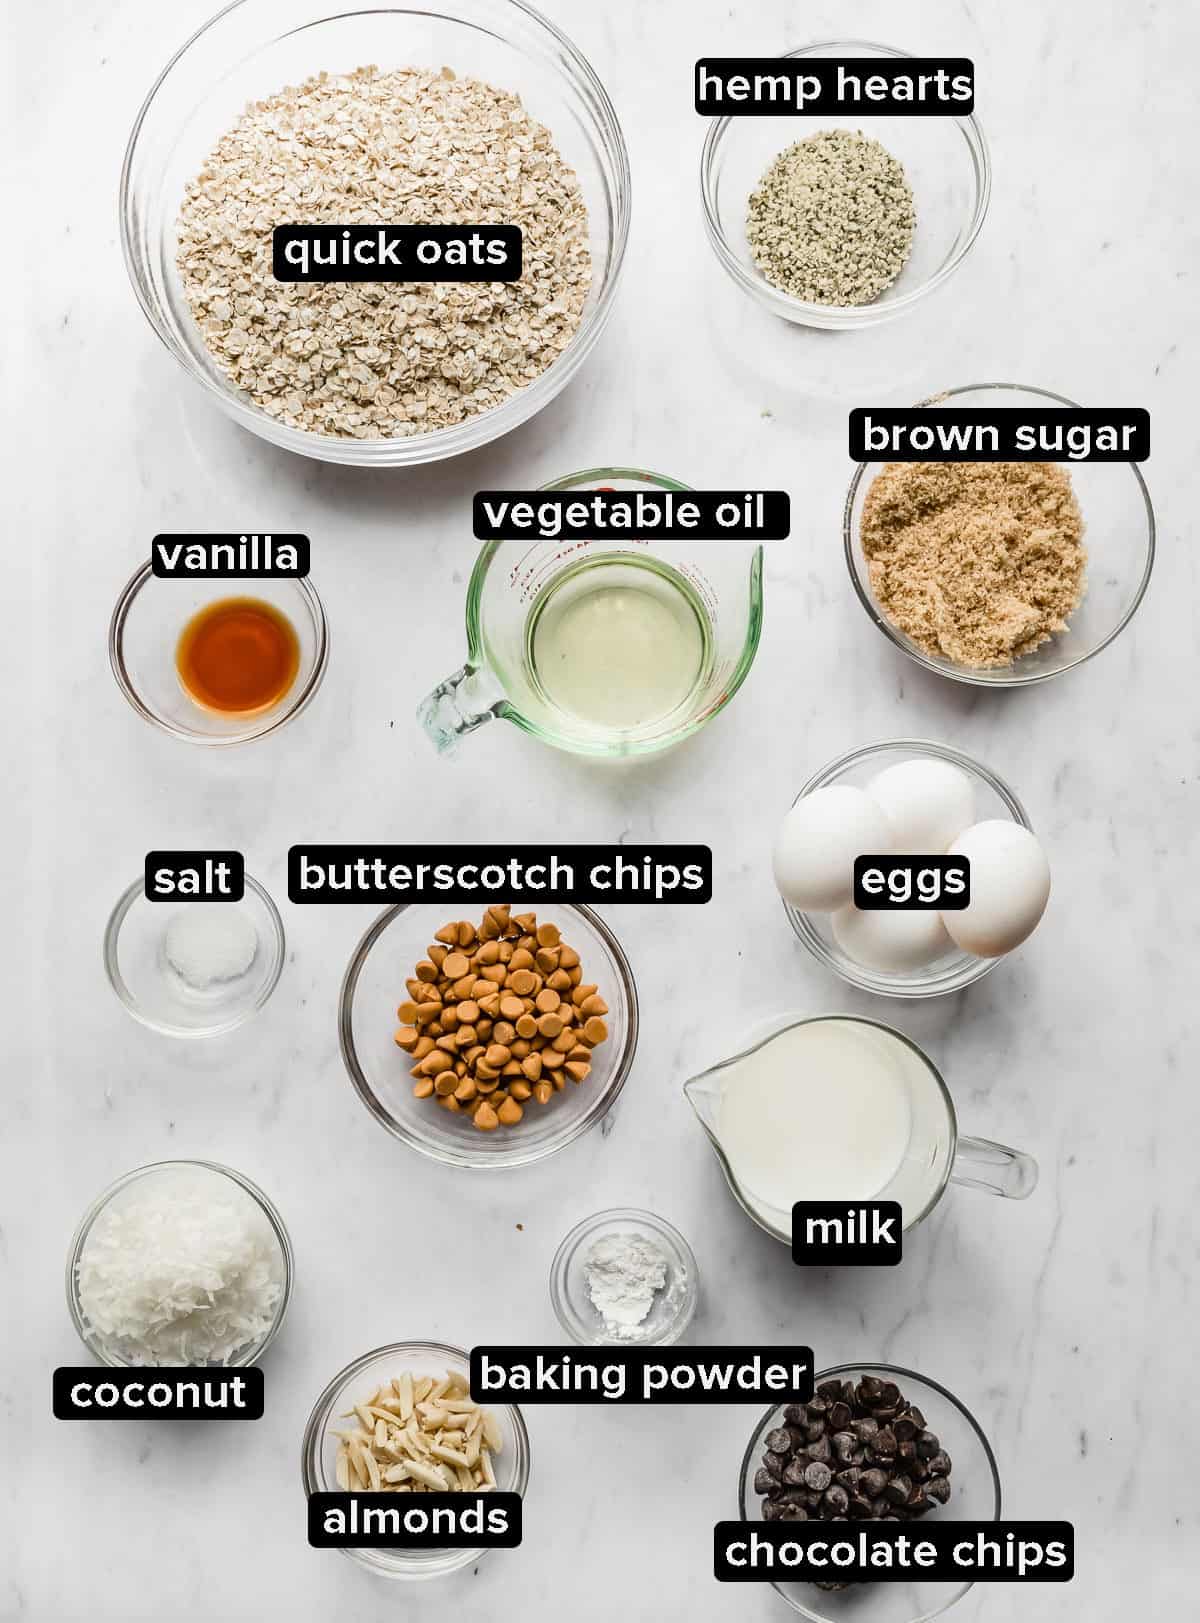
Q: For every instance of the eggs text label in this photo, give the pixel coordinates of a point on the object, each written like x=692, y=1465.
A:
x=882, y=882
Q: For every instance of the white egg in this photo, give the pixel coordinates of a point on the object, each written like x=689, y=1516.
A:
x=818, y=841
x=1010, y=883
x=894, y=939
x=928, y=803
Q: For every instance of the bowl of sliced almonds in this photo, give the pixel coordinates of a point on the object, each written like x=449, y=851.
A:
x=493, y=1040
x=401, y=1421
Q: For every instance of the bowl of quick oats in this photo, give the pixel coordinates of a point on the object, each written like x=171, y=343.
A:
x=999, y=574
x=843, y=221
x=278, y=113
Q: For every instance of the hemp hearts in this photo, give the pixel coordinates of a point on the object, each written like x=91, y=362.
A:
x=380, y=360
x=831, y=221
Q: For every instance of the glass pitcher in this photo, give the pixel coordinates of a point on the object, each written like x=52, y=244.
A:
x=936, y=1154
x=538, y=614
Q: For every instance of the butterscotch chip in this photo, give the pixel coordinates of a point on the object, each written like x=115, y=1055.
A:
x=456, y=964
x=532, y=1066
x=577, y=1070
x=511, y=1007
x=548, y=935
x=543, y=1092
x=407, y=1013
x=510, y=1113
x=595, y=1030
x=406, y=1037
x=526, y=1026
x=550, y=1025
x=485, y=1118
x=547, y=1000
x=423, y=1088
x=521, y=982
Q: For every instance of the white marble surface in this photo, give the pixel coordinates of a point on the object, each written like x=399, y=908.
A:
x=1068, y=1322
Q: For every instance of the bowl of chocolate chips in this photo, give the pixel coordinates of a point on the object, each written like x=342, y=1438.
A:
x=876, y=1443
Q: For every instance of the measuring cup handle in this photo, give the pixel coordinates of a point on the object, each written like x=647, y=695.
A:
x=458, y=705
x=980, y=1164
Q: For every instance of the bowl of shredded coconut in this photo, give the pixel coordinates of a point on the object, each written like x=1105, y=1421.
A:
x=180, y=1263
x=279, y=113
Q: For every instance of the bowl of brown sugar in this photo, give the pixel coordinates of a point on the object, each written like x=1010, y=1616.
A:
x=999, y=574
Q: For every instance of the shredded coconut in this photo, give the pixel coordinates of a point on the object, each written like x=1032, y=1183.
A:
x=182, y=1267
x=624, y=1274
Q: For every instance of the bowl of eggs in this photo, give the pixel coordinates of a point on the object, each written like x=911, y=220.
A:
x=910, y=798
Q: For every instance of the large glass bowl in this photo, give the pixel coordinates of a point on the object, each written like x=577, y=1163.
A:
x=374, y=986
x=975, y=1496
x=254, y=48
x=1118, y=534
x=994, y=800
x=357, y=1382
x=946, y=162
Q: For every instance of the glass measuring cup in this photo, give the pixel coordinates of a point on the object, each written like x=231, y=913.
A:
x=936, y=1153
x=708, y=593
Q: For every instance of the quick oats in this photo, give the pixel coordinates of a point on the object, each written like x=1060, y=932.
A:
x=380, y=360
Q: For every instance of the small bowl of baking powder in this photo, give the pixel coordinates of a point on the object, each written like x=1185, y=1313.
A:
x=624, y=1278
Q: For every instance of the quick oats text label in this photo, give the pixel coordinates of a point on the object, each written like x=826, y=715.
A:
x=396, y=253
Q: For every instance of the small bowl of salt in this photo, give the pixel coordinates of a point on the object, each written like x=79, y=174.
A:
x=194, y=968
x=624, y=1278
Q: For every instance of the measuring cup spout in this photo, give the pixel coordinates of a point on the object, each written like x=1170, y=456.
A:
x=994, y=1168
x=458, y=705
x=703, y=1094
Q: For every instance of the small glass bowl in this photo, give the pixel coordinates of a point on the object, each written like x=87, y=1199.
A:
x=254, y=48
x=144, y=633
x=975, y=1496
x=1118, y=534
x=156, y=995
x=956, y=968
x=674, y=1306
x=92, y=1340
x=374, y=985
x=946, y=162
x=318, y=1461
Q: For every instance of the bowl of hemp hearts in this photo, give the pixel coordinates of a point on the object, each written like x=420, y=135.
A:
x=843, y=224
x=999, y=574
x=483, y=114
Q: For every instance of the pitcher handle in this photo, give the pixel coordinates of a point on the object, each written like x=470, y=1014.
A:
x=460, y=704
x=981, y=1164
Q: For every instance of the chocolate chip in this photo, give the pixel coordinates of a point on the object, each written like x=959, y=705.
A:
x=820, y=1451
x=904, y=1429
x=829, y=1390
x=849, y=1477
x=819, y=1476
x=771, y=1512
x=939, y=1465
x=779, y=1441
x=885, y=1443
x=859, y=1508
x=793, y=1513
x=897, y=1490
x=865, y=1430
x=763, y=1481
x=794, y=1414
x=772, y=1464
x=917, y=1418
x=795, y=1471
x=813, y=1430
x=839, y=1416
x=868, y=1392
x=938, y=1488
x=927, y=1445
x=836, y=1500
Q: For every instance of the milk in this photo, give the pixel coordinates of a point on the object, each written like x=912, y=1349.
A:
x=822, y=1112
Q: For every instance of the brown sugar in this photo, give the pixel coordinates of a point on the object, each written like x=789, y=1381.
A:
x=979, y=562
